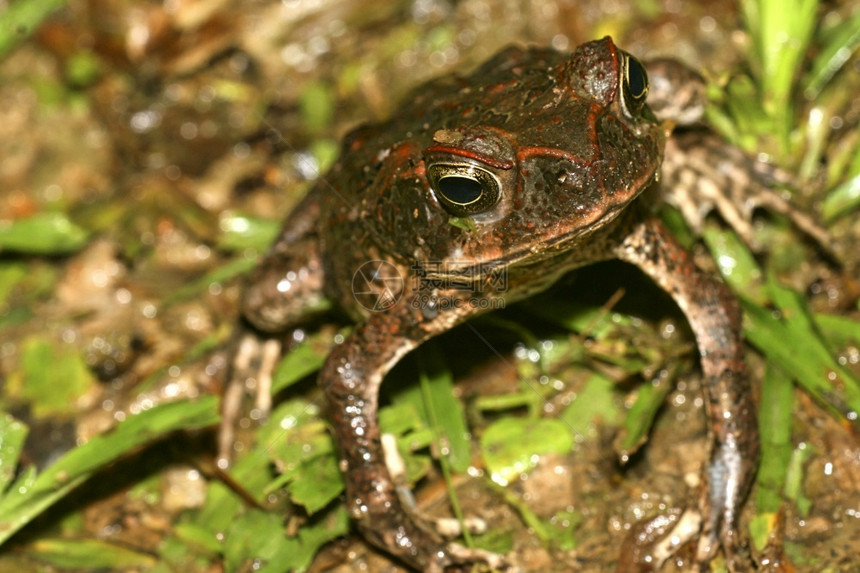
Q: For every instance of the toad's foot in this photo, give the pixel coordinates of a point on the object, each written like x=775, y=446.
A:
x=729, y=475
x=652, y=542
x=702, y=174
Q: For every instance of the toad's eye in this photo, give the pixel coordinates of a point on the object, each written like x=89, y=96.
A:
x=460, y=190
x=463, y=189
x=634, y=85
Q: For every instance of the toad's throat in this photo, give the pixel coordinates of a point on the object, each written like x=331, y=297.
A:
x=566, y=251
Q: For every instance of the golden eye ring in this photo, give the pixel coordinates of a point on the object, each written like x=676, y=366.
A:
x=634, y=85
x=463, y=189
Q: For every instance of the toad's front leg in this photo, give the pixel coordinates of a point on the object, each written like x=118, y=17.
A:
x=350, y=378
x=715, y=318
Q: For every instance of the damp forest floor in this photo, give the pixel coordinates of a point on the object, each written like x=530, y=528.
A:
x=147, y=153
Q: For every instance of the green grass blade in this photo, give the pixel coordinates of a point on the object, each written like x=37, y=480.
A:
x=841, y=42
x=89, y=554
x=12, y=436
x=785, y=29
x=301, y=361
x=734, y=260
x=242, y=232
x=842, y=199
x=22, y=504
x=48, y=233
x=775, y=423
x=781, y=31
x=220, y=274
x=20, y=18
x=640, y=418
x=436, y=402
x=839, y=330
x=793, y=342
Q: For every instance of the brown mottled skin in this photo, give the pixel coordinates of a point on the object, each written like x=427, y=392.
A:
x=570, y=146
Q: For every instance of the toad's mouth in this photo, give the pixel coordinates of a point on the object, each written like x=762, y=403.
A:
x=542, y=262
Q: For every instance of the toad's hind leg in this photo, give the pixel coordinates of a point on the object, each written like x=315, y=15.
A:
x=701, y=174
x=715, y=317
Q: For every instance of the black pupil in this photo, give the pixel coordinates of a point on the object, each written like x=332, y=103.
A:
x=635, y=78
x=460, y=190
